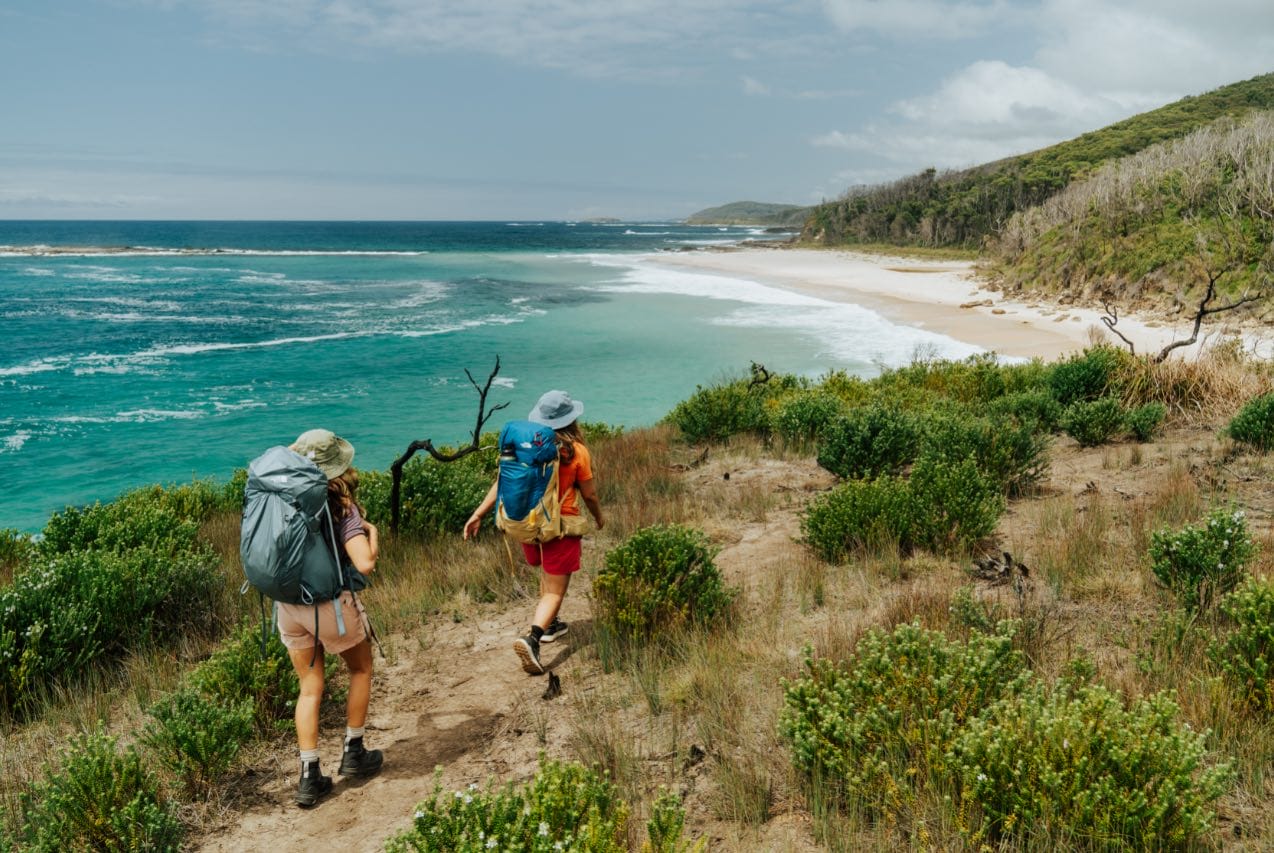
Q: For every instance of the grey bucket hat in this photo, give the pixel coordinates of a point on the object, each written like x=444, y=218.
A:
x=332, y=454
x=556, y=409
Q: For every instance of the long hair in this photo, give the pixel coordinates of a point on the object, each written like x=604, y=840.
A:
x=567, y=437
x=341, y=493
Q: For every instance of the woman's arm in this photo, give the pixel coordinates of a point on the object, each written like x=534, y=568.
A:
x=364, y=549
x=588, y=491
x=475, y=521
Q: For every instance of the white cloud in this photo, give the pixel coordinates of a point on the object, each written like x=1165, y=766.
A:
x=752, y=86
x=648, y=37
x=939, y=19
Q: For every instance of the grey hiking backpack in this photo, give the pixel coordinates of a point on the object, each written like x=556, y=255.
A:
x=287, y=541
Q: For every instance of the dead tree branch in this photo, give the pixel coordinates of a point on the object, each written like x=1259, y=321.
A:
x=484, y=414
x=760, y=375
x=1205, y=309
x=1111, y=319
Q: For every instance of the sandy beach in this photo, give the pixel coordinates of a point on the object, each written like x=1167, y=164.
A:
x=945, y=297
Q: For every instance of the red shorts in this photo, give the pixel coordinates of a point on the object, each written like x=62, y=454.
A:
x=559, y=557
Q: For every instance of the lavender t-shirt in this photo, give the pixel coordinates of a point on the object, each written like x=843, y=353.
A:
x=351, y=526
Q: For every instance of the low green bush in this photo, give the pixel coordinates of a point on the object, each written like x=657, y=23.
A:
x=869, y=441
x=1201, y=563
x=945, y=506
x=239, y=670
x=1087, y=376
x=1093, y=422
x=1038, y=409
x=97, y=799
x=857, y=515
x=436, y=498
x=1078, y=768
x=872, y=731
x=1012, y=453
x=71, y=611
x=973, y=380
x=162, y=518
x=719, y=411
x=1144, y=421
x=16, y=549
x=954, y=503
x=1254, y=424
x=1245, y=651
x=801, y=417
x=658, y=580
x=564, y=807
x=197, y=738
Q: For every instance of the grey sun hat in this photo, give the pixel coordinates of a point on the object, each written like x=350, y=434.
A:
x=332, y=454
x=556, y=409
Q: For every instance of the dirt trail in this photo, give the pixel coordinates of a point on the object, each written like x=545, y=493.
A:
x=454, y=697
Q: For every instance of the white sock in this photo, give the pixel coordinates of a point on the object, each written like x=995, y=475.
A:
x=351, y=732
x=309, y=756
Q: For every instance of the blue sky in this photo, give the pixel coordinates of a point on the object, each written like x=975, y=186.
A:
x=563, y=109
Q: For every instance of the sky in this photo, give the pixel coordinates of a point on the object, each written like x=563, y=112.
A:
x=564, y=109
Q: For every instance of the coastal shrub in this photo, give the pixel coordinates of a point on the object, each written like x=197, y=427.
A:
x=1011, y=453
x=659, y=579
x=953, y=505
x=878, y=727
x=858, y=515
x=566, y=806
x=197, y=738
x=801, y=417
x=1087, y=376
x=231, y=497
x=1144, y=421
x=16, y=548
x=595, y=431
x=436, y=498
x=97, y=799
x=1201, y=563
x=239, y=670
x=1254, y=424
x=1093, y=422
x=719, y=411
x=1077, y=767
x=869, y=441
x=164, y=519
x=1245, y=651
x=71, y=611
x=976, y=379
x=1038, y=409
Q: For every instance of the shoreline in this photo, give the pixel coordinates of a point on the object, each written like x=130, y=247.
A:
x=944, y=297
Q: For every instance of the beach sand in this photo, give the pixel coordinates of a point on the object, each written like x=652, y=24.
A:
x=946, y=297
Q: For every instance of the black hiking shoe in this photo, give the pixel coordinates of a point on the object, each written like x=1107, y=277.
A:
x=528, y=649
x=554, y=630
x=359, y=761
x=313, y=785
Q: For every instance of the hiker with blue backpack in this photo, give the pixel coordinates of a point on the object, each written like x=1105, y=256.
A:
x=305, y=544
x=546, y=472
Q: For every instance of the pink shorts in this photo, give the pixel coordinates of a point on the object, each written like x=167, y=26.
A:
x=296, y=625
x=559, y=557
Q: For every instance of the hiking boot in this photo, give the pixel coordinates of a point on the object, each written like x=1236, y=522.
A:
x=528, y=649
x=313, y=785
x=555, y=630
x=359, y=761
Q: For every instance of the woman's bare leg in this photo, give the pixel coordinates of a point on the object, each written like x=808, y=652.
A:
x=307, y=704
x=359, y=661
x=552, y=591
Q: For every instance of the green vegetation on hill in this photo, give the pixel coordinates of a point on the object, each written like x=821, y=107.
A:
x=751, y=213
x=961, y=208
x=1156, y=225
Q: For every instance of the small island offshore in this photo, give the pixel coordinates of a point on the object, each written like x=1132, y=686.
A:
x=1017, y=597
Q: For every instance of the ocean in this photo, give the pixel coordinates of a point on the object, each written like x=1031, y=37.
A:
x=159, y=352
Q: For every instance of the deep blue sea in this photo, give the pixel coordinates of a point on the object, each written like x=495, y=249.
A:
x=143, y=352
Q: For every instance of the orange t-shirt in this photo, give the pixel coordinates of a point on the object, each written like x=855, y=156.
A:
x=578, y=470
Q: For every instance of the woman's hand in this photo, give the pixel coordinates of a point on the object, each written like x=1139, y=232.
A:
x=472, y=526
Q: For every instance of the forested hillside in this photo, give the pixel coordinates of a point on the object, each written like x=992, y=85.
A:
x=964, y=208
x=1157, y=225
x=751, y=213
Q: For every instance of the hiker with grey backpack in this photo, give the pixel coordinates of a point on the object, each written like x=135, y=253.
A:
x=305, y=544
x=545, y=474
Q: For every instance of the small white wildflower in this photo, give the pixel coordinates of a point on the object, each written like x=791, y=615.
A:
x=492, y=842
x=473, y=786
x=419, y=814
x=459, y=794
x=544, y=828
x=467, y=799
x=981, y=777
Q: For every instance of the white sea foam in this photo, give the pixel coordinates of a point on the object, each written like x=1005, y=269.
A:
x=40, y=365
x=13, y=443
x=156, y=251
x=148, y=416
x=426, y=293
x=197, y=348
x=504, y=382
x=849, y=332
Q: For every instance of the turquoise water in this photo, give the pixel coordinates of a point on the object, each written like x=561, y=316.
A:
x=160, y=352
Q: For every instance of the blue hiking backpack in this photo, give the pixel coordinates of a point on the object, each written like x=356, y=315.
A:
x=528, y=507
